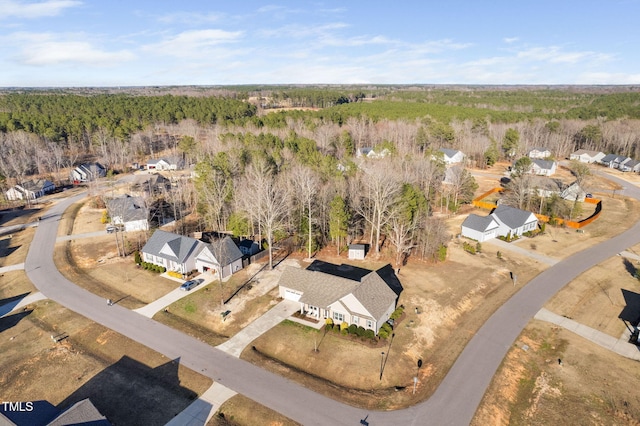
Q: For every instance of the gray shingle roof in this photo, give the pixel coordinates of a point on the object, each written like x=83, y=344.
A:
x=608, y=158
x=479, y=223
x=224, y=250
x=82, y=412
x=374, y=294
x=449, y=152
x=182, y=246
x=510, y=216
x=543, y=164
x=128, y=208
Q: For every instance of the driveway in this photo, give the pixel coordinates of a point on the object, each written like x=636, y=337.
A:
x=454, y=402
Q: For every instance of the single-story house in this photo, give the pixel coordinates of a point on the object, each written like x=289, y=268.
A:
x=573, y=192
x=371, y=153
x=131, y=212
x=174, y=252
x=608, y=160
x=149, y=184
x=630, y=166
x=30, y=190
x=248, y=247
x=513, y=221
x=543, y=167
x=166, y=163
x=452, y=156
x=585, y=156
x=480, y=228
x=357, y=251
x=220, y=256
x=88, y=172
x=540, y=153
x=343, y=293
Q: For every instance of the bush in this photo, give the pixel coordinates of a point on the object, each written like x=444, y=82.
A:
x=383, y=334
x=468, y=248
x=352, y=329
x=105, y=217
x=344, y=326
x=360, y=331
x=328, y=327
x=137, y=258
x=328, y=321
x=174, y=274
x=369, y=333
x=478, y=247
x=386, y=327
x=442, y=253
x=397, y=313
x=499, y=254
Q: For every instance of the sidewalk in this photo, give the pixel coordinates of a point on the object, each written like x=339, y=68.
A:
x=202, y=409
x=174, y=295
x=271, y=318
x=620, y=346
x=16, y=267
x=512, y=247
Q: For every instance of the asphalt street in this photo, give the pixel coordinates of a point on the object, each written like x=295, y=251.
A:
x=454, y=402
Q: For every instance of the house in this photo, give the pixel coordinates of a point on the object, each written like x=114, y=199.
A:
x=452, y=156
x=149, y=185
x=543, y=167
x=630, y=166
x=480, y=228
x=585, y=156
x=608, y=160
x=540, y=153
x=174, y=252
x=357, y=251
x=88, y=172
x=620, y=161
x=166, y=163
x=221, y=256
x=371, y=153
x=343, y=293
x=30, y=190
x=248, y=247
x=129, y=211
x=513, y=221
x=573, y=192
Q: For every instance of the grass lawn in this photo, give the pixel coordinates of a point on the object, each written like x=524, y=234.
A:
x=13, y=283
x=15, y=246
x=92, y=362
x=239, y=410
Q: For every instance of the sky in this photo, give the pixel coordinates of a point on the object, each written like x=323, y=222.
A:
x=86, y=43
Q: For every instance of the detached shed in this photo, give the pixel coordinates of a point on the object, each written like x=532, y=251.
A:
x=357, y=251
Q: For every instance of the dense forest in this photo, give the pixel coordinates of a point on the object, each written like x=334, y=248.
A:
x=280, y=161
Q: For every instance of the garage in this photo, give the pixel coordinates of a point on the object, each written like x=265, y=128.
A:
x=292, y=295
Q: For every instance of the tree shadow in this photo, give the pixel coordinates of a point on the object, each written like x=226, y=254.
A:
x=159, y=395
x=10, y=214
x=11, y=321
x=9, y=303
x=628, y=265
x=5, y=250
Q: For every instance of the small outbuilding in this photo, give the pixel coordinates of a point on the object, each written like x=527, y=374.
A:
x=357, y=251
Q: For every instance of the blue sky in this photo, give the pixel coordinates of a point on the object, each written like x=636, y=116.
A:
x=135, y=43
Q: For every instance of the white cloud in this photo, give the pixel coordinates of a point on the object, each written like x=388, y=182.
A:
x=190, y=43
x=510, y=40
x=22, y=9
x=555, y=54
x=41, y=49
x=191, y=18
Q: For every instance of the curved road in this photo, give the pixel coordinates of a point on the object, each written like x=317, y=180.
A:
x=454, y=402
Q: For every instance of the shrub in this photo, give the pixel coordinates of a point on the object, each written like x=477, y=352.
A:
x=468, y=248
x=383, y=334
x=328, y=327
x=352, y=329
x=499, y=254
x=369, y=333
x=328, y=321
x=397, y=313
x=442, y=253
x=174, y=274
x=344, y=331
x=344, y=326
x=137, y=258
x=478, y=247
x=386, y=327
x=105, y=217
x=360, y=331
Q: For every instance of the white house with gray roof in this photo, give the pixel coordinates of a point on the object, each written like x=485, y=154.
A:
x=586, y=156
x=359, y=297
x=452, y=156
x=129, y=211
x=174, y=252
x=503, y=221
x=480, y=228
x=221, y=256
x=543, y=167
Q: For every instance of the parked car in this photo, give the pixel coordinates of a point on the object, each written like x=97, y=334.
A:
x=111, y=229
x=589, y=196
x=188, y=285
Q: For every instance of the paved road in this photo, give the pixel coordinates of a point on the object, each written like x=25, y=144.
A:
x=454, y=402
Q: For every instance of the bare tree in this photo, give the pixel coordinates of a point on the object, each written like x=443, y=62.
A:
x=305, y=185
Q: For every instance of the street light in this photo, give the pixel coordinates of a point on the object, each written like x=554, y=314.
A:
x=381, y=363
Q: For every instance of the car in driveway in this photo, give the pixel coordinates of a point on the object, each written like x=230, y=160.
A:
x=188, y=285
x=111, y=229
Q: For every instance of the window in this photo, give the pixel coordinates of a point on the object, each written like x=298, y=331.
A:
x=354, y=320
x=370, y=324
x=338, y=317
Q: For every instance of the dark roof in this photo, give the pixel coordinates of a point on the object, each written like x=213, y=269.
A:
x=449, y=152
x=247, y=243
x=44, y=413
x=357, y=247
x=543, y=164
x=344, y=271
x=478, y=223
x=41, y=414
x=389, y=276
x=608, y=158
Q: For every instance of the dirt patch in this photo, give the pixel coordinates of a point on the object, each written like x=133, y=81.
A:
x=552, y=376
x=91, y=362
x=240, y=410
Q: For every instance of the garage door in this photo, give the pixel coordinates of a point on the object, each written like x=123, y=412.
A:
x=292, y=295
